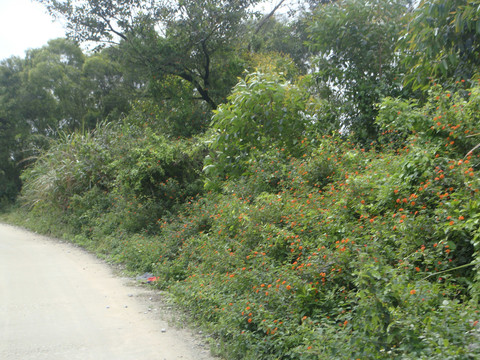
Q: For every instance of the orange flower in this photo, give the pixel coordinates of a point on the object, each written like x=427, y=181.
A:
x=413, y=292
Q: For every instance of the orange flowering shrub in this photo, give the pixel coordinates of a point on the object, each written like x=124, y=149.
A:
x=344, y=244
x=304, y=252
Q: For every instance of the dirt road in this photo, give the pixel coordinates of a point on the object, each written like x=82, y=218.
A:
x=59, y=302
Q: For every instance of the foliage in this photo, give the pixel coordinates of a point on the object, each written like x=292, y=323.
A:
x=123, y=171
x=196, y=39
x=355, y=42
x=109, y=87
x=315, y=243
x=441, y=41
x=280, y=36
x=55, y=89
x=377, y=249
x=12, y=129
x=264, y=113
x=9, y=184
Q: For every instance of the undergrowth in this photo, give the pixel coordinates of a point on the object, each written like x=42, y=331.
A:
x=327, y=251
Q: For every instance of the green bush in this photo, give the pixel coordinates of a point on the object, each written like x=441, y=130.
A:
x=120, y=178
x=329, y=251
x=374, y=249
x=265, y=113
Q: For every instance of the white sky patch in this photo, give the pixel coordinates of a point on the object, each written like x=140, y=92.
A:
x=24, y=25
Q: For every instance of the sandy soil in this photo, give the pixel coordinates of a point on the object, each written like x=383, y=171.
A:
x=59, y=302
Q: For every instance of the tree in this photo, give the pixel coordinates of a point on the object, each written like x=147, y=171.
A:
x=9, y=177
x=280, y=36
x=52, y=97
x=37, y=97
x=441, y=42
x=189, y=39
x=110, y=88
x=62, y=89
x=356, y=59
x=265, y=114
x=55, y=88
x=14, y=132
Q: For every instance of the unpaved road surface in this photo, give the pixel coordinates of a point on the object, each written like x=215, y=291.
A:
x=59, y=302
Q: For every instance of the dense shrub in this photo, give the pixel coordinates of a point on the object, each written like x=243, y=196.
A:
x=328, y=251
x=265, y=113
x=346, y=252
x=346, y=228
x=120, y=177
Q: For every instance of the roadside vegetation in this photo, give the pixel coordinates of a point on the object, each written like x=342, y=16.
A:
x=314, y=195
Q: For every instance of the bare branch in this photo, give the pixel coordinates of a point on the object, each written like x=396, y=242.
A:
x=268, y=16
x=112, y=29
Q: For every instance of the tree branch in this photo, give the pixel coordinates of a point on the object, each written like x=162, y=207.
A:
x=112, y=29
x=203, y=92
x=264, y=20
x=206, y=76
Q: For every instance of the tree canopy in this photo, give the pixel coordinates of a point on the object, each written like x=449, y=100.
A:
x=356, y=60
x=189, y=39
x=441, y=42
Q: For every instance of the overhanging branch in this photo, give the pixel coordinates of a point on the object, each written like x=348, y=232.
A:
x=268, y=16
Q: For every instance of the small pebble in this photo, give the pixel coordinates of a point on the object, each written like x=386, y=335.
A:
x=164, y=330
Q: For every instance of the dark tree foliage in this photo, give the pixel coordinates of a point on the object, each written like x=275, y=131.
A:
x=189, y=39
x=11, y=125
x=441, y=42
x=279, y=35
x=356, y=60
x=55, y=89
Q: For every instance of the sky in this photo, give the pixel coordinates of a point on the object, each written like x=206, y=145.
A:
x=25, y=24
